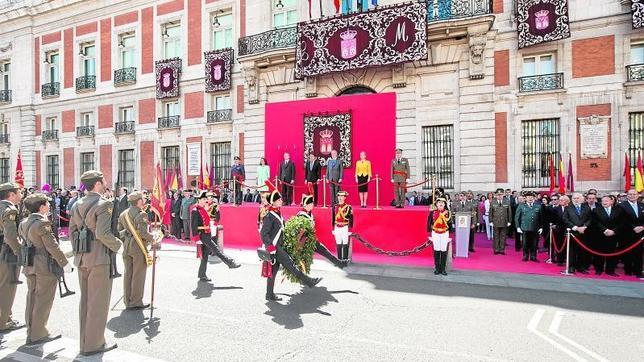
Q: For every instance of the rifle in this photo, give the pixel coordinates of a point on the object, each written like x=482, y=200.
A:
x=60, y=274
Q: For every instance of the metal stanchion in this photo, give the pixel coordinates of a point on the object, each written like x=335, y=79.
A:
x=234, y=191
x=324, y=192
x=567, y=271
x=549, y=261
x=377, y=193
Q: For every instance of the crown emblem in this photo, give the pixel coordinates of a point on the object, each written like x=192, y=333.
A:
x=348, y=34
x=541, y=13
x=327, y=133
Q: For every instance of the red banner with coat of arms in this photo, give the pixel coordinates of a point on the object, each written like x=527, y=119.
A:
x=541, y=21
x=388, y=35
x=219, y=65
x=167, y=77
x=324, y=132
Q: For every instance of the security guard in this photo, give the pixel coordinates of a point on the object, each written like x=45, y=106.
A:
x=37, y=232
x=528, y=222
x=133, y=230
x=10, y=196
x=93, y=241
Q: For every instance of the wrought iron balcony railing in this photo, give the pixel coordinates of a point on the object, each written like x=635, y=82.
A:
x=125, y=76
x=124, y=127
x=169, y=122
x=438, y=10
x=50, y=135
x=541, y=82
x=85, y=83
x=85, y=131
x=220, y=115
x=635, y=72
x=5, y=96
x=268, y=40
x=4, y=138
x=50, y=89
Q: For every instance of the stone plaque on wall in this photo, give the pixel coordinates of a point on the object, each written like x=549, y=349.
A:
x=593, y=136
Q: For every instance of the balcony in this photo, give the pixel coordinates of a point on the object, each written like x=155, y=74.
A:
x=49, y=90
x=85, y=131
x=5, y=96
x=124, y=127
x=169, y=122
x=220, y=115
x=267, y=41
x=4, y=138
x=543, y=82
x=86, y=83
x=438, y=10
x=635, y=72
x=50, y=135
x=124, y=76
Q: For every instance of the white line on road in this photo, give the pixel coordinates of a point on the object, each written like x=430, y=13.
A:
x=554, y=329
x=532, y=327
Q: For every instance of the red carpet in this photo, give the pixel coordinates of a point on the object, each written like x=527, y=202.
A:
x=390, y=229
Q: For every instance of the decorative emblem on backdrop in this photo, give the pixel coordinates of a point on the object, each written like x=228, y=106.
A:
x=324, y=132
x=219, y=65
x=638, y=13
x=167, y=77
x=542, y=21
x=388, y=35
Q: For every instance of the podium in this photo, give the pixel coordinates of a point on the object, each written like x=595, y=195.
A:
x=462, y=222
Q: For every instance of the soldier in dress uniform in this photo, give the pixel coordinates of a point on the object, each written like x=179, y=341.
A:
x=438, y=226
x=10, y=197
x=399, y=177
x=93, y=242
x=206, y=243
x=37, y=232
x=528, y=222
x=342, y=222
x=272, y=233
x=307, y=212
x=133, y=230
x=500, y=220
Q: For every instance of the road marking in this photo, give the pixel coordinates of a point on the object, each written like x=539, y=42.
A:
x=554, y=329
x=63, y=348
x=532, y=327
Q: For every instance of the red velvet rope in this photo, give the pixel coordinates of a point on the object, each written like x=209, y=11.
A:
x=617, y=253
x=554, y=243
x=356, y=185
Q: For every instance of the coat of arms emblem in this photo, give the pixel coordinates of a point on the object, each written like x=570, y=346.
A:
x=165, y=80
x=541, y=19
x=326, y=141
x=348, y=44
x=216, y=72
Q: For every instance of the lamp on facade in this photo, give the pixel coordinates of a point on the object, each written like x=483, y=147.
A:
x=165, y=33
x=121, y=44
x=279, y=4
x=215, y=21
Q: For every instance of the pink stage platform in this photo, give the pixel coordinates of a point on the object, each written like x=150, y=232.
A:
x=395, y=230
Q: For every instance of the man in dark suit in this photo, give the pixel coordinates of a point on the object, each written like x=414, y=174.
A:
x=287, y=176
x=577, y=218
x=312, y=171
x=120, y=205
x=248, y=197
x=175, y=211
x=558, y=228
x=238, y=174
x=633, y=217
x=334, y=170
x=606, y=226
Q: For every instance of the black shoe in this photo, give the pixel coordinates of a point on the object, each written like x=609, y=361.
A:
x=273, y=298
x=613, y=274
x=524, y=259
x=443, y=272
x=342, y=264
x=314, y=282
x=559, y=263
x=584, y=271
x=234, y=265
x=472, y=251
x=496, y=253
x=502, y=252
x=42, y=340
x=105, y=348
x=204, y=279
x=436, y=272
x=138, y=307
x=534, y=260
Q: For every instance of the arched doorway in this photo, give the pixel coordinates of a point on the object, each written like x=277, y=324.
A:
x=356, y=89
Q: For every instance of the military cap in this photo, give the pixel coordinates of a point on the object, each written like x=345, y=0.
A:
x=500, y=191
x=202, y=195
x=34, y=199
x=529, y=193
x=441, y=200
x=9, y=186
x=237, y=158
x=135, y=196
x=398, y=149
x=274, y=196
x=307, y=200
x=343, y=193
x=91, y=176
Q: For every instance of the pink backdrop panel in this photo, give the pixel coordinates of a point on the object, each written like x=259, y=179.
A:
x=373, y=131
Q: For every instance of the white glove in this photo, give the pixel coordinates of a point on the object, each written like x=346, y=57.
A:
x=509, y=224
x=350, y=233
x=540, y=231
x=519, y=231
x=491, y=224
x=68, y=268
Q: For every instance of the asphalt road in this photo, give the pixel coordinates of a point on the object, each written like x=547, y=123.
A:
x=348, y=317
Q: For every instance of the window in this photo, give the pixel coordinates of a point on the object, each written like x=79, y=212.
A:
x=438, y=156
x=53, y=61
x=86, y=162
x=171, y=40
x=540, y=140
x=538, y=65
x=126, y=169
x=4, y=170
x=220, y=161
x=127, y=50
x=169, y=158
x=637, y=53
x=222, y=102
x=4, y=128
x=222, y=31
x=52, y=171
x=171, y=109
x=126, y=114
x=88, y=58
x=6, y=78
x=50, y=124
x=635, y=139
x=284, y=15
x=86, y=119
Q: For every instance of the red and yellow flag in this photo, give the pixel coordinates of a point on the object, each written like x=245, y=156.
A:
x=551, y=172
x=174, y=182
x=639, y=171
x=206, y=178
x=20, y=175
x=627, y=173
x=157, y=197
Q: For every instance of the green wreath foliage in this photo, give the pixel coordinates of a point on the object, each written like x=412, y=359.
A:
x=299, y=243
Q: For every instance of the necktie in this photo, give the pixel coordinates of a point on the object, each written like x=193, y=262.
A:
x=578, y=208
x=462, y=204
x=608, y=211
x=500, y=203
x=634, y=206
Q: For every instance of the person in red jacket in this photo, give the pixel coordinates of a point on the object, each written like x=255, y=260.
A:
x=438, y=226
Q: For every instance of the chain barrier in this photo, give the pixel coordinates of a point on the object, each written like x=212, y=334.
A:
x=378, y=250
x=608, y=255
